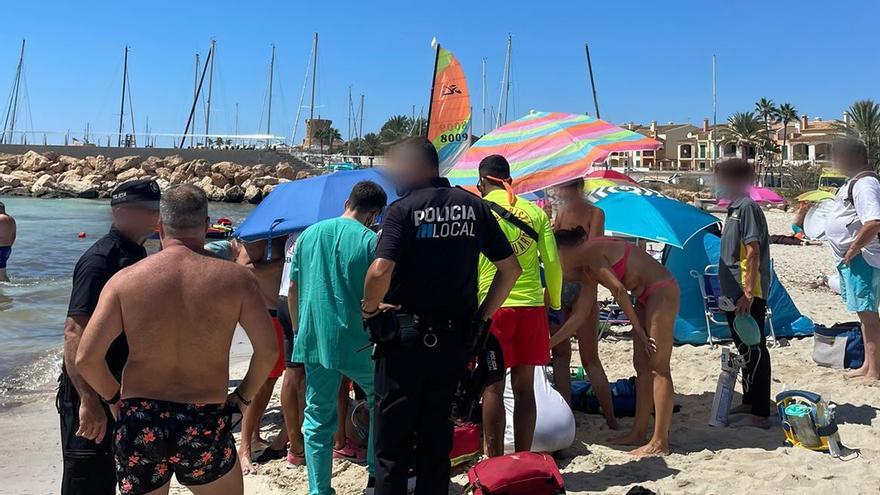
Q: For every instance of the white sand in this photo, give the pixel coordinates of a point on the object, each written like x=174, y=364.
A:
x=704, y=460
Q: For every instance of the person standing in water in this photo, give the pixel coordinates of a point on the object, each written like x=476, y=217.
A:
x=520, y=331
x=86, y=423
x=178, y=310
x=7, y=239
x=625, y=270
x=574, y=212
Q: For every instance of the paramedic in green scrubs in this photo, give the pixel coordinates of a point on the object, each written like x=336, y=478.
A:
x=327, y=273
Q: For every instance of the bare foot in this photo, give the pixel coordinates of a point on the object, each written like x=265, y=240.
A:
x=631, y=438
x=868, y=379
x=849, y=375
x=612, y=423
x=651, y=449
x=244, y=457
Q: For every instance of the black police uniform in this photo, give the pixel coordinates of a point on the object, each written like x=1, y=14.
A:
x=434, y=234
x=89, y=468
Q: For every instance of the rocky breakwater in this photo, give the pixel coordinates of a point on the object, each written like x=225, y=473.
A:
x=50, y=175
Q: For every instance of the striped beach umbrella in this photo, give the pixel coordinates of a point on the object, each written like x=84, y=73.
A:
x=549, y=148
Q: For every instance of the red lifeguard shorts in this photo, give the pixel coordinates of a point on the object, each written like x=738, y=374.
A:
x=524, y=335
x=278, y=370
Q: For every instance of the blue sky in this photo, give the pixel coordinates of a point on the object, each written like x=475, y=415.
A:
x=652, y=59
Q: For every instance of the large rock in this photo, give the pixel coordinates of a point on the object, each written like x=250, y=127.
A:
x=284, y=171
x=78, y=188
x=69, y=161
x=9, y=181
x=253, y=194
x=174, y=161
x=233, y=194
x=201, y=168
x=152, y=164
x=43, y=185
x=268, y=188
x=26, y=178
x=228, y=169
x=130, y=174
x=33, y=162
x=126, y=163
x=219, y=180
x=241, y=177
x=266, y=180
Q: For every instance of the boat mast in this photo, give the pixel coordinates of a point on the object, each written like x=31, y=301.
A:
x=271, y=77
x=236, y=118
x=212, y=56
x=505, y=86
x=12, y=111
x=433, y=83
x=350, y=112
x=309, y=128
x=192, y=112
x=714, y=114
x=592, y=81
x=483, y=99
x=361, y=118
x=192, y=138
x=122, y=104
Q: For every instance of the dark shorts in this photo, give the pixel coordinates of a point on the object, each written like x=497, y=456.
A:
x=5, y=253
x=570, y=291
x=289, y=337
x=155, y=439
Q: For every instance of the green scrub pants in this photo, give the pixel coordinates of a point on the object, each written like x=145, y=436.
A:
x=320, y=422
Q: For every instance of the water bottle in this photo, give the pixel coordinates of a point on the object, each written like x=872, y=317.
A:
x=747, y=329
x=801, y=422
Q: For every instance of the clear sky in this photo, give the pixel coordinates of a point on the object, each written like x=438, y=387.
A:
x=652, y=60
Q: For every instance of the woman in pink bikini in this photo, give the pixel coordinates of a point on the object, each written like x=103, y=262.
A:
x=626, y=271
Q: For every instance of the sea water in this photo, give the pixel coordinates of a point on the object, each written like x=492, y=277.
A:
x=33, y=304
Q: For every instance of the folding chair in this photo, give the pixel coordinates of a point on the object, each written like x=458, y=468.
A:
x=710, y=289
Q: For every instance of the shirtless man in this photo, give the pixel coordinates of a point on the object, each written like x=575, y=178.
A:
x=266, y=264
x=575, y=212
x=7, y=239
x=179, y=310
x=625, y=269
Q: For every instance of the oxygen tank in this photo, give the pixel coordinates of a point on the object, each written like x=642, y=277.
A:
x=724, y=390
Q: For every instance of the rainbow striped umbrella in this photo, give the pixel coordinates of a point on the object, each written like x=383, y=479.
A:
x=549, y=148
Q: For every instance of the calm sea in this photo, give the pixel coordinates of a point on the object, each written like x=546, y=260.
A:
x=33, y=305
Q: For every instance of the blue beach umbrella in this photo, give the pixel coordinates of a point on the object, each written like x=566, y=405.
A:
x=295, y=205
x=634, y=211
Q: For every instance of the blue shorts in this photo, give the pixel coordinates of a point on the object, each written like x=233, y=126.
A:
x=859, y=285
x=5, y=252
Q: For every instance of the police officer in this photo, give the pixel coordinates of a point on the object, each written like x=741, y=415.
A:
x=425, y=271
x=86, y=421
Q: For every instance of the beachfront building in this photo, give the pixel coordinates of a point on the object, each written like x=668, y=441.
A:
x=810, y=141
x=666, y=158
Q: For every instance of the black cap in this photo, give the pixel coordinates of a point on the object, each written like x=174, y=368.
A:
x=144, y=193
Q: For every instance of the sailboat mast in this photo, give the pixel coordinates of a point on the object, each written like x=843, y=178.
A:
x=192, y=111
x=350, y=111
x=314, y=80
x=122, y=103
x=195, y=90
x=271, y=78
x=12, y=112
x=361, y=118
x=714, y=114
x=212, y=56
x=236, y=118
x=505, y=86
x=483, y=98
x=433, y=83
x=592, y=81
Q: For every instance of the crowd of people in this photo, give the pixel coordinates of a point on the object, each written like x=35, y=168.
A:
x=394, y=313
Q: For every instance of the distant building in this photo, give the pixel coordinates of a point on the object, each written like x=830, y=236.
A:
x=666, y=158
x=312, y=127
x=811, y=141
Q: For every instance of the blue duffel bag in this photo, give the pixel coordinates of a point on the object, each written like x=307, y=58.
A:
x=839, y=346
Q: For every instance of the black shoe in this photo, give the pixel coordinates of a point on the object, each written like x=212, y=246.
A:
x=371, y=486
x=270, y=454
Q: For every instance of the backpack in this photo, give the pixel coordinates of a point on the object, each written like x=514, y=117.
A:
x=521, y=473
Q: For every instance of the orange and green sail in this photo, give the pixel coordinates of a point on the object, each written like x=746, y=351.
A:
x=449, y=118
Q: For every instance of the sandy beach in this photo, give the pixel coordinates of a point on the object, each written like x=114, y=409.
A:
x=703, y=460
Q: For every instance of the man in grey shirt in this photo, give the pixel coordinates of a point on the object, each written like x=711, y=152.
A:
x=744, y=274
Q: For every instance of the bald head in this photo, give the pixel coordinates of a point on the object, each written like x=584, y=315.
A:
x=183, y=212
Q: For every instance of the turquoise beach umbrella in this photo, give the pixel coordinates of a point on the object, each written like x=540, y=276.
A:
x=635, y=211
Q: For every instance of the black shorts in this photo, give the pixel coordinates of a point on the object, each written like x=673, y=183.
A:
x=155, y=439
x=289, y=336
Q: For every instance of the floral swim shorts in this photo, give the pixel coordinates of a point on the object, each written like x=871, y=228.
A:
x=156, y=438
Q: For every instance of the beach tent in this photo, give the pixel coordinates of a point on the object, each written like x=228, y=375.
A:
x=548, y=148
x=295, y=205
x=690, y=326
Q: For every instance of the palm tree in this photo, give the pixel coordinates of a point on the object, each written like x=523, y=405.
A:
x=787, y=113
x=744, y=128
x=864, y=124
x=371, y=144
x=396, y=128
x=768, y=112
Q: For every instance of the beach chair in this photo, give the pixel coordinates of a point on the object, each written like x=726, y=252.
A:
x=710, y=289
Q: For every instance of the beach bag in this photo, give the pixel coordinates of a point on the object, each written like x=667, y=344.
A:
x=522, y=473
x=839, y=346
x=623, y=396
x=465, y=443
